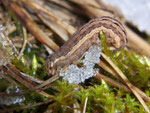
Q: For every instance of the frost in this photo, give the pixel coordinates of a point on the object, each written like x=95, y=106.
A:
x=92, y=56
x=74, y=74
x=8, y=100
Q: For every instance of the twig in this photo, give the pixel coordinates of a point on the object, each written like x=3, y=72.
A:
x=31, y=78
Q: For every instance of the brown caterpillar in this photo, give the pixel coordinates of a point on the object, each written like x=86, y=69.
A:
x=86, y=36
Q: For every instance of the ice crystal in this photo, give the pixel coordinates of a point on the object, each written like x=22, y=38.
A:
x=75, y=74
x=8, y=100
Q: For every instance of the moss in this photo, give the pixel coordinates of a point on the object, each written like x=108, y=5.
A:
x=136, y=67
x=31, y=63
x=18, y=31
x=100, y=98
x=63, y=97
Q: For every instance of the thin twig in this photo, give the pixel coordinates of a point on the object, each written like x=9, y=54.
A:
x=24, y=43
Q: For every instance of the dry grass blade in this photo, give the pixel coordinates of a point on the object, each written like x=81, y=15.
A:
x=108, y=69
x=92, y=8
x=30, y=24
x=48, y=81
x=127, y=82
x=137, y=43
x=112, y=82
x=31, y=78
x=57, y=25
x=111, y=71
x=24, y=43
x=85, y=105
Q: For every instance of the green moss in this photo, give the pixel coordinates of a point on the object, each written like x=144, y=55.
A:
x=34, y=64
x=68, y=97
x=104, y=44
x=100, y=98
x=131, y=104
x=31, y=63
x=3, y=84
x=19, y=31
x=136, y=67
x=21, y=66
x=63, y=97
